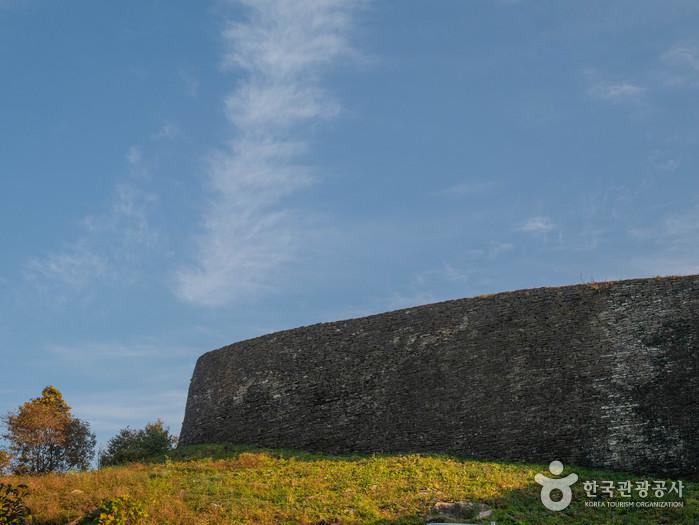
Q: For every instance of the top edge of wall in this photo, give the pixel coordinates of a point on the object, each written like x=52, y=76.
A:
x=594, y=285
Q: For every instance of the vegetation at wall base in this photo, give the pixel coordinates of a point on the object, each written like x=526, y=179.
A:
x=225, y=484
x=131, y=445
x=121, y=510
x=13, y=511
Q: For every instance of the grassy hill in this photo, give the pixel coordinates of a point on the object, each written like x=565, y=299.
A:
x=217, y=484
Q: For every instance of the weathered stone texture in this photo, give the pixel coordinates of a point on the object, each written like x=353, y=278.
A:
x=603, y=375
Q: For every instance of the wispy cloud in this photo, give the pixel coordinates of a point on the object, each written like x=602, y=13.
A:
x=664, y=264
x=499, y=248
x=538, y=225
x=661, y=161
x=101, y=353
x=76, y=266
x=248, y=231
x=169, y=130
x=681, y=66
x=111, y=410
x=399, y=301
x=469, y=188
x=676, y=230
x=669, y=246
x=677, y=67
x=615, y=91
x=107, y=241
x=190, y=82
x=159, y=391
x=601, y=88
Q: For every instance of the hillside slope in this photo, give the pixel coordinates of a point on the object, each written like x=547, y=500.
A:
x=216, y=484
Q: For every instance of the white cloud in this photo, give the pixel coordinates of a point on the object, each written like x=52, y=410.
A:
x=110, y=410
x=537, y=226
x=469, y=188
x=127, y=218
x=169, y=130
x=190, y=82
x=76, y=267
x=679, y=230
x=400, y=301
x=682, y=66
x=663, y=162
x=670, y=246
x=678, y=68
x=134, y=155
x=670, y=264
x=615, y=91
x=285, y=40
x=248, y=233
x=498, y=248
x=108, y=242
x=102, y=353
x=162, y=392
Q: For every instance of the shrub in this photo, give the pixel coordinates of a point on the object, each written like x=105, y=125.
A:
x=13, y=511
x=117, y=511
x=131, y=445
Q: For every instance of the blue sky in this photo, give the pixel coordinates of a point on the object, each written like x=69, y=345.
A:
x=176, y=176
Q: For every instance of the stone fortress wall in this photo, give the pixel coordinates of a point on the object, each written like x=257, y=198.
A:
x=603, y=375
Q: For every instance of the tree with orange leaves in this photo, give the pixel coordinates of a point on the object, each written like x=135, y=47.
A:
x=45, y=437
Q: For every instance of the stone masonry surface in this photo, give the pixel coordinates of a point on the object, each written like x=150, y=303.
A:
x=601, y=375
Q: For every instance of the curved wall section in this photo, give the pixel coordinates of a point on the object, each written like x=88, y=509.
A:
x=603, y=375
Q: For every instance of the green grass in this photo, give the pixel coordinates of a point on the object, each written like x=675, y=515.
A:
x=218, y=484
